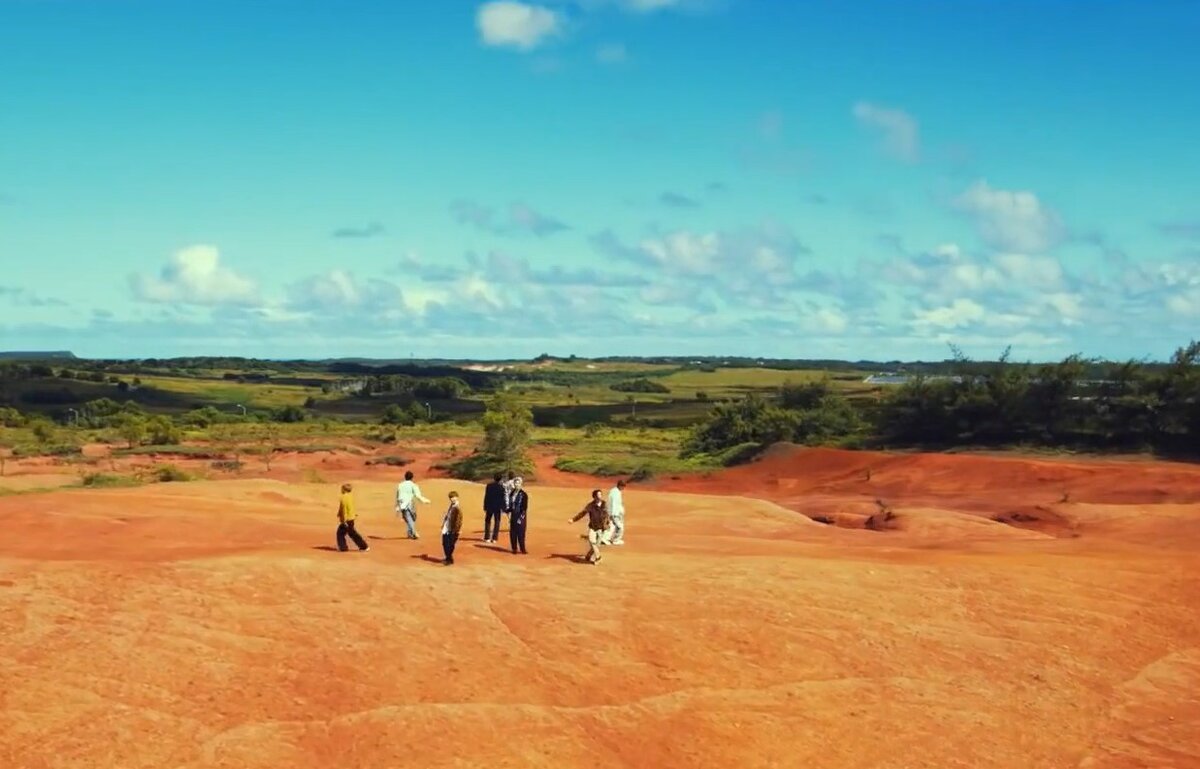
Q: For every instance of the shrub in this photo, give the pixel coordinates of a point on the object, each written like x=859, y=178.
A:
x=751, y=420
x=390, y=461
x=640, y=385
x=803, y=395
x=107, y=480
x=289, y=414
x=171, y=473
x=227, y=465
x=162, y=431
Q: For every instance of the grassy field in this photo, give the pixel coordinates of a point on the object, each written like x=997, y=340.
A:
x=219, y=392
x=579, y=417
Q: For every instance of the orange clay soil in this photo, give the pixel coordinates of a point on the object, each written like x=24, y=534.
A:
x=210, y=624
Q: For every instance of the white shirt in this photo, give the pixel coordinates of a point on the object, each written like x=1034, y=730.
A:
x=616, y=505
x=406, y=492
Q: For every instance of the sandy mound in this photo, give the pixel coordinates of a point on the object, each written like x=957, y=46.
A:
x=209, y=625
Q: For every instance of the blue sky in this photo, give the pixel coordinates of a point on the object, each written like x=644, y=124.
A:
x=844, y=179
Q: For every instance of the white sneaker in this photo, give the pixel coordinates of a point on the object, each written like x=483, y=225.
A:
x=617, y=542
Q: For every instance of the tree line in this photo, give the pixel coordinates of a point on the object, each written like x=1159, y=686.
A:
x=1074, y=403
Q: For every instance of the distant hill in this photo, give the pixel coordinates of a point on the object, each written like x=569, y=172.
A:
x=48, y=355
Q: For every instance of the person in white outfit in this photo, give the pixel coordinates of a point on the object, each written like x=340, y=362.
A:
x=616, y=512
x=407, y=494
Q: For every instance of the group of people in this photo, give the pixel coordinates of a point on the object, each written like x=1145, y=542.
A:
x=502, y=496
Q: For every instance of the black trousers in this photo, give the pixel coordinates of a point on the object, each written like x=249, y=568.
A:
x=348, y=528
x=488, y=531
x=516, y=533
x=448, y=543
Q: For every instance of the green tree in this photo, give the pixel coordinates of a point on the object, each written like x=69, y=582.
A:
x=506, y=428
x=750, y=420
x=10, y=417
x=289, y=414
x=162, y=431
x=43, y=430
x=396, y=414
x=507, y=425
x=803, y=395
x=133, y=429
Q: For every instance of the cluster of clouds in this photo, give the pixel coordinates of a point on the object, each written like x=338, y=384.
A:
x=528, y=26
x=519, y=218
x=726, y=286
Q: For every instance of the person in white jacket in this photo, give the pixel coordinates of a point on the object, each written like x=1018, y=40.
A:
x=616, y=512
x=407, y=494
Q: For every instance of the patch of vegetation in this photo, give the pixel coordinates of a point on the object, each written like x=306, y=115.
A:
x=817, y=417
x=192, y=452
x=640, y=385
x=390, y=461
x=171, y=473
x=227, y=465
x=312, y=476
x=108, y=480
x=507, y=425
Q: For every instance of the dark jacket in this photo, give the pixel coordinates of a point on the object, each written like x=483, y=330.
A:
x=493, y=497
x=518, y=505
x=597, y=515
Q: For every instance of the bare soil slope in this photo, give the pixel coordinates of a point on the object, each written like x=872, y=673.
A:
x=209, y=625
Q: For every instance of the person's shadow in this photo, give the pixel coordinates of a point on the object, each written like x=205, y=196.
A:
x=326, y=548
x=572, y=557
x=496, y=548
x=428, y=558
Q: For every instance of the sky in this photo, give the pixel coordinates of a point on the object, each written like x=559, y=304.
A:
x=850, y=179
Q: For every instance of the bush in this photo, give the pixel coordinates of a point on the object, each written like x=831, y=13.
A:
x=390, y=461
x=640, y=385
x=803, y=395
x=107, y=480
x=289, y=414
x=11, y=417
x=227, y=465
x=162, y=431
x=132, y=428
x=171, y=473
x=751, y=420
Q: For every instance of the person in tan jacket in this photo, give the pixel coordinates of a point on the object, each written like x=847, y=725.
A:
x=598, y=522
x=451, y=527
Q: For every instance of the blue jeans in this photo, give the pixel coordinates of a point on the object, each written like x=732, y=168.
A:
x=410, y=520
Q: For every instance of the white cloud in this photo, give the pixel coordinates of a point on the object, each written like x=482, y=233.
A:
x=505, y=23
x=900, y=130
x=959, y=313
x=194, y=275
x=612, y=53
x=1041, y=271
x=830, y=320
x=1011, y=221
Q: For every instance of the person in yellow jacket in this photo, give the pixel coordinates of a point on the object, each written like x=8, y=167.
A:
x=346, y=517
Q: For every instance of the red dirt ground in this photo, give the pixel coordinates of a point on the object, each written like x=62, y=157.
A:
x=1013, y=613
